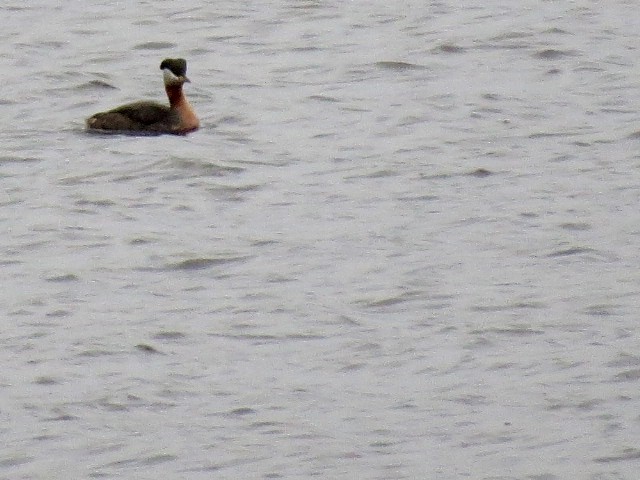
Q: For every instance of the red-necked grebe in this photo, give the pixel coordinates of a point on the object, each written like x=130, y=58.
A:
x=150, y=117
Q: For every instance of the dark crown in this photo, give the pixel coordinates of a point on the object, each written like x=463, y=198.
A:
x=177, y=65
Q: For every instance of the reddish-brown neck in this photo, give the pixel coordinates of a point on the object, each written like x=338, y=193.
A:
x=174, y=92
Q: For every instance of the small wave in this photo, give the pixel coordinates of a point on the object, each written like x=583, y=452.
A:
x=95, y=84
x=448, y=48
x=507, y=307
x=480, y=173
x=154, y=46
x=628, y=376
x=553, y=54
x=575, y=226
x=627, y=454
x=143, y=347
x=204, y=168
x=600, y=310
x=324, y=98
x=14, y=461
x=196, y=264
x=241, y=411
x=70, y=277
x=169, y=335
x=625, y=360
x=570, y=251
x=398, y=66
x=202, y=263
x=513, y=331
x=12, y=159
x=157, y=459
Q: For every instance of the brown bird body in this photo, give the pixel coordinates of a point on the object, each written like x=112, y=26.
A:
x=151, y=117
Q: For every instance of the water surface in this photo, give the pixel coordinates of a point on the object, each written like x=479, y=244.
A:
x=402, y=245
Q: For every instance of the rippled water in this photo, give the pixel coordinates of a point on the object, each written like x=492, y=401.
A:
x=403, y=244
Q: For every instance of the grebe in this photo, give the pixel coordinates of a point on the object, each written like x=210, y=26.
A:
x=151, y=117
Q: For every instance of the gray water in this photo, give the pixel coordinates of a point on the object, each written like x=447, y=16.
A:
x=403, y=244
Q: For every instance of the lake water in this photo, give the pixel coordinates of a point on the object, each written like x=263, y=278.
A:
x=403, y=245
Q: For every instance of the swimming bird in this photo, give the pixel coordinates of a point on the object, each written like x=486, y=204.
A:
x=178, y=118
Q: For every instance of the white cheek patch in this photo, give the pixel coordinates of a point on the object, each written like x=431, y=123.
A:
x=169, y=77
